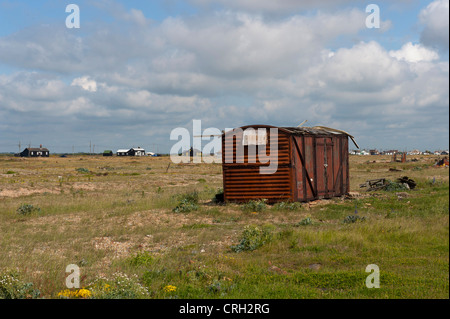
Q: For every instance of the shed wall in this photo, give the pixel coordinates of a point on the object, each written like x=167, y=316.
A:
x=310, y=166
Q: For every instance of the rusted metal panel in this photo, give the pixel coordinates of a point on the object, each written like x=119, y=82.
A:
x=311, y=164
x=242, y=177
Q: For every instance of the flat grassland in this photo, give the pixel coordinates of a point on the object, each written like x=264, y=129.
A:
x=115, y=218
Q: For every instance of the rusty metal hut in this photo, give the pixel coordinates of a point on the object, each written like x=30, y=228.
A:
x=311, y=163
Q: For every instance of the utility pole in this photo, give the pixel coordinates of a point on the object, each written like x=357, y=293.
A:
x=90, y=148
x=19, y=147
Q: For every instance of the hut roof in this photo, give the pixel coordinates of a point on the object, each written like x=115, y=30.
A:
x=316, y=130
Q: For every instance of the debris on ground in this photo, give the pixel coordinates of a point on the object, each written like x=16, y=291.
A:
x=402, y=195
x=402, y=183
x=443, y=162
x=408, y=182
x=374, y=184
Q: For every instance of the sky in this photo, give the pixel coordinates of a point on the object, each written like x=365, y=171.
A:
x=134, y=71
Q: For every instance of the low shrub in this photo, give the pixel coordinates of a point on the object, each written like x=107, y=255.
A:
x=254, y=206
x=121, y=286
x=188, y=203
x=304, y=222
x=394, y=186
x=141, y=259
x=353, y=219
x=287, y=206
x=27, y=209
x=12, y=287
x=252, y=238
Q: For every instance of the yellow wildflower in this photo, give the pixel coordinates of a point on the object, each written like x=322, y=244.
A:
x=170, y=288
x=80, y=293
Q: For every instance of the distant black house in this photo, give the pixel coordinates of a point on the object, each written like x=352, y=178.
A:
x=135, y=151
x=35, y=152
x=108, y=153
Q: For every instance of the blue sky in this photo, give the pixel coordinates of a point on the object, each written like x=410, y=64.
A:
x=136, y=70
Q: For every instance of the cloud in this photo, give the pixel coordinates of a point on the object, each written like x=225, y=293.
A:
x=86, y=83
x=435, y=18
x=136, y=16
x=273, y=7
x=414, y=53
x=134, y=78
x=366, y=67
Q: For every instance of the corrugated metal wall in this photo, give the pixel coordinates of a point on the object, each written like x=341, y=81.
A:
x=310, y=166
x=243, y=181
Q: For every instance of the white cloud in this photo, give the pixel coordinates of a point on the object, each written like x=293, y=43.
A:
x=86, y=83
x=414, y=53
x=364, y=67
x=136, y=16
x=241, y=45
x=230, y=68
x=435, y=17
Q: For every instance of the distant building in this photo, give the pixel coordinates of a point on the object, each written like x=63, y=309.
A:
x=415, y=152
x=390, y=152
x=152, y=154
x=135, y=151
x=374, y=152
x=35, y=152
x=108, y=153
x=359, y=152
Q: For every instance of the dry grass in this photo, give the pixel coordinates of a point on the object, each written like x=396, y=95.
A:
x=122, y=207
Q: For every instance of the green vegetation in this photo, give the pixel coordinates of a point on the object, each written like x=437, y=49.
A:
x=163, y=234
x=252, y=238
x=254, y=206
x=27, y=209
x=13, y=287
x=187, y=203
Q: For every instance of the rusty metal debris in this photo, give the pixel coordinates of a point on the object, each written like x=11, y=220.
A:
x=374, y=184
x=384, y=184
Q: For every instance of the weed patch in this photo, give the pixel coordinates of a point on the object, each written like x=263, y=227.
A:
x=252, y=238
x=141, y=259
x=304, y=222
x=188, y=203
x=283, y=206
x=254, y=206
x=350, y=219
x=27, y=209
x=13, y=287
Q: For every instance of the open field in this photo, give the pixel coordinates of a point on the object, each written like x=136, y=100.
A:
x=115, y=219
